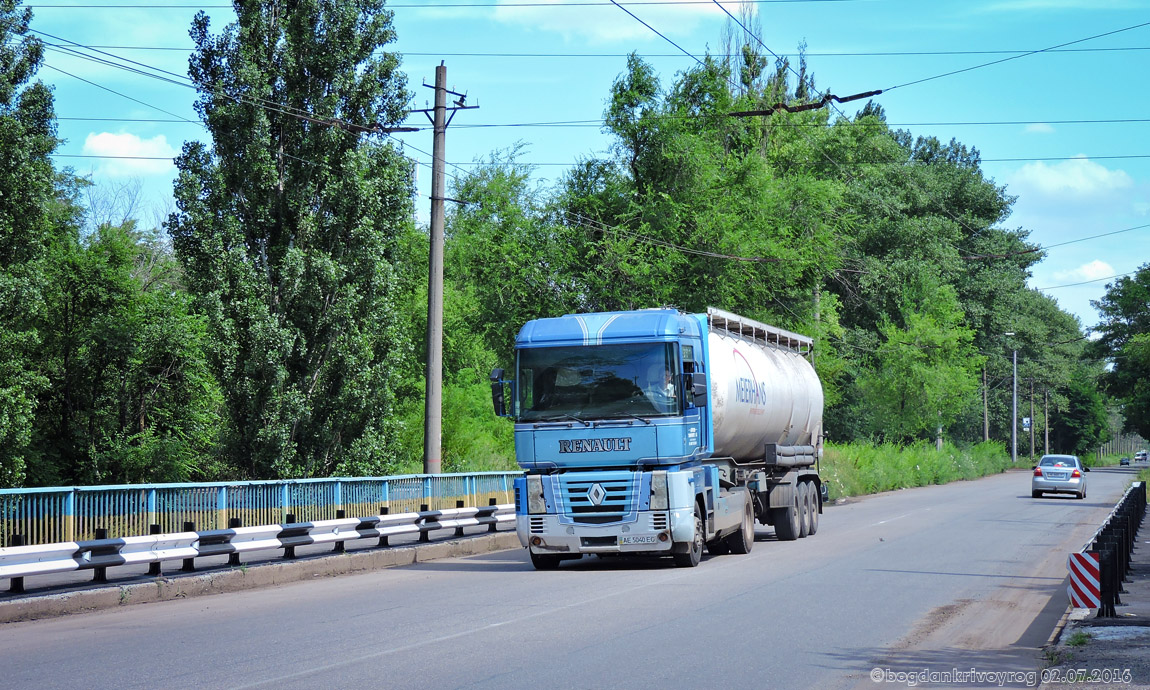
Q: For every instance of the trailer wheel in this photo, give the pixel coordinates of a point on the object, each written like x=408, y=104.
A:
x=544, y=561
x=804, y=509
x=787, y=519
x=813, y=492
x=694, y=554
x=741, y=542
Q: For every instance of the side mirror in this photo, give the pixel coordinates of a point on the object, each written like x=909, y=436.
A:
x=1035, y=467
x=497, y=400
x=1085, y=468
x=699, y=388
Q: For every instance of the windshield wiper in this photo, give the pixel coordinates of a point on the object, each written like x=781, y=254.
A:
x=641, y=419
x=566, y=416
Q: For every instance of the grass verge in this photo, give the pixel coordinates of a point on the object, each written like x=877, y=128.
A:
x=856, y=469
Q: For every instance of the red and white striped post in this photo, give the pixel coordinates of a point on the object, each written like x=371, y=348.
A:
x=1084, y=589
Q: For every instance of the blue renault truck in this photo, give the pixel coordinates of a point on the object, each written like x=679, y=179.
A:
x=658, y=432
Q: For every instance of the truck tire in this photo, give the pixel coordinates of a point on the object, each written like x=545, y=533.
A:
x=718, y=547
x=741, y=541
x=544, y=561
x=691, y=557
x=787, y=520
x=804, y=510
x=814, y=521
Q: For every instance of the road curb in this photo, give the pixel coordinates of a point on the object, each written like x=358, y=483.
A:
x=239, y=578
x=1058, y=628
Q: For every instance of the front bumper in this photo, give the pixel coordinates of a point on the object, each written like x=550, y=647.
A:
x=545, y=534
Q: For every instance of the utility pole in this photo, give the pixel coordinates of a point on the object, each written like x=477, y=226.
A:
x=1014, y=411
x=1031, y=420
x=1046, y=418
x=433, y=404
x=1014, y=407
x=985, y=409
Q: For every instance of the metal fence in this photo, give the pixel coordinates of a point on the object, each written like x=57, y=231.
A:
x=65, y=514
x=1113, y=544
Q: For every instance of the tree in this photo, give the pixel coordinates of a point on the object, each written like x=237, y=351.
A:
x=130, y=397
x=924, y=373
x=1125, y=341
x=29, y=206
x=286, y=230
x=1083, y=421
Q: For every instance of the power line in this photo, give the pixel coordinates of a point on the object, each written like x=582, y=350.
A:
x=263, y=103
x=121, y=95
x=1086, y=282
x=567, y=3
x=1034, y=250
x=597, y=123
x=480, y=164
x=1015, y=57
x=891, y=53
x=270, y=106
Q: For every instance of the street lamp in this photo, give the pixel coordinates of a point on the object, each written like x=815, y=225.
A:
x=1014, y=407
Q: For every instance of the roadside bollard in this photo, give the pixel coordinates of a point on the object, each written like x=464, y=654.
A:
x=289, y=551
x=459, y=530
x=424, y=534
x=189, y=563
x=100, y=574
x=233, y=523
x=383, y=510
x=1105, y=576
x=16, y=584
x=492, y=526
x=340, y=547
x=154, y=568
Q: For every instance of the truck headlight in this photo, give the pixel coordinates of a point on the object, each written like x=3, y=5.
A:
x=535, y=502
x=658, y=491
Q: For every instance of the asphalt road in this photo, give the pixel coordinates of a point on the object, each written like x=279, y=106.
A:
x=965, y=576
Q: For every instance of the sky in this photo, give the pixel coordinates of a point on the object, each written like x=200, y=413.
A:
x=1064, y=130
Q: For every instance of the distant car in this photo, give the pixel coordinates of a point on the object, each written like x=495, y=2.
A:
x=1123, y=461
x=1140, y=456
x=1059, y=474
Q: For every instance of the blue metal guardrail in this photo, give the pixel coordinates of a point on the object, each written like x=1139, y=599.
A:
x=65, y=514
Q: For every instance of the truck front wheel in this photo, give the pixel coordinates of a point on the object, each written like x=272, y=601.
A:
x=544, y=561
x=694, y=553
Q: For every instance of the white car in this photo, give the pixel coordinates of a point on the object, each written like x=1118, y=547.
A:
x=1140, y=456
x=1059, y=474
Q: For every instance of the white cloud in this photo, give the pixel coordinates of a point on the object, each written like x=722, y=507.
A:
x=1039, y=128
x=1094, y=270
x=607, y=23
x=1079, y=179
x=130, y=155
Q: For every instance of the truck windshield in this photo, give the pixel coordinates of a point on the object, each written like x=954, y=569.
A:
x=599, y=381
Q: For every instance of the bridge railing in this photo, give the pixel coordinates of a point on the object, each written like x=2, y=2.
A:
x=67, y=514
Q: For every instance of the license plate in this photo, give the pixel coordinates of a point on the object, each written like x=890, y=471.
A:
x=627, y=539
x=1056, y=475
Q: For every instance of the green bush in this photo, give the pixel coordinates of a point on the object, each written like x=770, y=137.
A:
x=856, y=469
x=474, y=439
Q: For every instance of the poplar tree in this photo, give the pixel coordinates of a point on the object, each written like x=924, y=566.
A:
x=286, y=228
x=27, y=196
